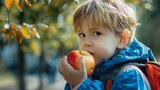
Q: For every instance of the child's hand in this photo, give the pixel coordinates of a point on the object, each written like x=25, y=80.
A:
x=72, y=76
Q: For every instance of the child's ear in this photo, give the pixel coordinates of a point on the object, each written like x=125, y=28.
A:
x=123, y=39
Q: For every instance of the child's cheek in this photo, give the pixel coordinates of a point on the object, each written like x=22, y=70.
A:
x=103, y=53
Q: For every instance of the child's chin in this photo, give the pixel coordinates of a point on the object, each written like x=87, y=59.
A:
x=98, y=61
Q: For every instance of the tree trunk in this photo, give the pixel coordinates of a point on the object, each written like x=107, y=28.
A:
x=21, y=68
x=21, y=64
x=41, y=69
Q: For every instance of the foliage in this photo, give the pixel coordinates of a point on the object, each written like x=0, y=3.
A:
x=51, y=33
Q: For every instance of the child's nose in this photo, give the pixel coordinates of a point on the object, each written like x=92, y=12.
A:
x=88, y=43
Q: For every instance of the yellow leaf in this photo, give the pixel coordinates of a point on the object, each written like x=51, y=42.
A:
x=25, y=32
x=13, y=26
x=7, y=34
x=17, y=5
x=14, y=34
x=28, y=3
x=8, y=3
x=17, y=35
x=4, y=30
x=35, y=33
x=42, y=26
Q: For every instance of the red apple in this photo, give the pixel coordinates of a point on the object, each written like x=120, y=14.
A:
x=74, y=57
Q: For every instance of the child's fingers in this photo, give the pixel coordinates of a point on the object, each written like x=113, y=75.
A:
x=82, y=65
x=60, y=67
x=67, y=66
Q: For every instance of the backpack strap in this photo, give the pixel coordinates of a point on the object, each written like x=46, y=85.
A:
x=109, y=82
x=111, y=76
x=153, y=72
x=137, y=69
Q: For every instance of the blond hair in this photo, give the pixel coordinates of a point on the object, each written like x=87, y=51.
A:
x=115, y=15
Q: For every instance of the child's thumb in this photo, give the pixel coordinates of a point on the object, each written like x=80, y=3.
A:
x=82, y=64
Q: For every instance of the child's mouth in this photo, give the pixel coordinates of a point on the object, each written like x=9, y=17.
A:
x=90, y=53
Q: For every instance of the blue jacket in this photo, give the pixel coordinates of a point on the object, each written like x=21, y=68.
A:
x=129, y=79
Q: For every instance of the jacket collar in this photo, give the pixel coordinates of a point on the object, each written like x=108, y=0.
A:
x=135, y=51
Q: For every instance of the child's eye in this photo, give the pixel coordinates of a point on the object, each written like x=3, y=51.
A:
x=96, y=33
x=81, y=35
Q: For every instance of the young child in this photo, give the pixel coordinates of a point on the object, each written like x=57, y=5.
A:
x=106, y=29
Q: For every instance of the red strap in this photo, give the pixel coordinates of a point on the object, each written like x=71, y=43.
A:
x=153, y=73
x=108, y=84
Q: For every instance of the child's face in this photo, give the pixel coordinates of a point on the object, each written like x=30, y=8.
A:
x=100, y=42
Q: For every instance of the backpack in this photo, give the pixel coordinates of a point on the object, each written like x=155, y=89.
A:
x=150, y=69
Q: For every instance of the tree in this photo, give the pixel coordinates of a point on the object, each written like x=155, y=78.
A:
x=22, y=27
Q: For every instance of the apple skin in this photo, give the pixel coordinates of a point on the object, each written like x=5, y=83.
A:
x=74, y=57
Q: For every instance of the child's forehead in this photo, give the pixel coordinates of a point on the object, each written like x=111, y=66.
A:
x=86, y=25
x=80, y=28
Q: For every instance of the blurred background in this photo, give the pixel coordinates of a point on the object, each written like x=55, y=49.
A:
x=34, y=34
